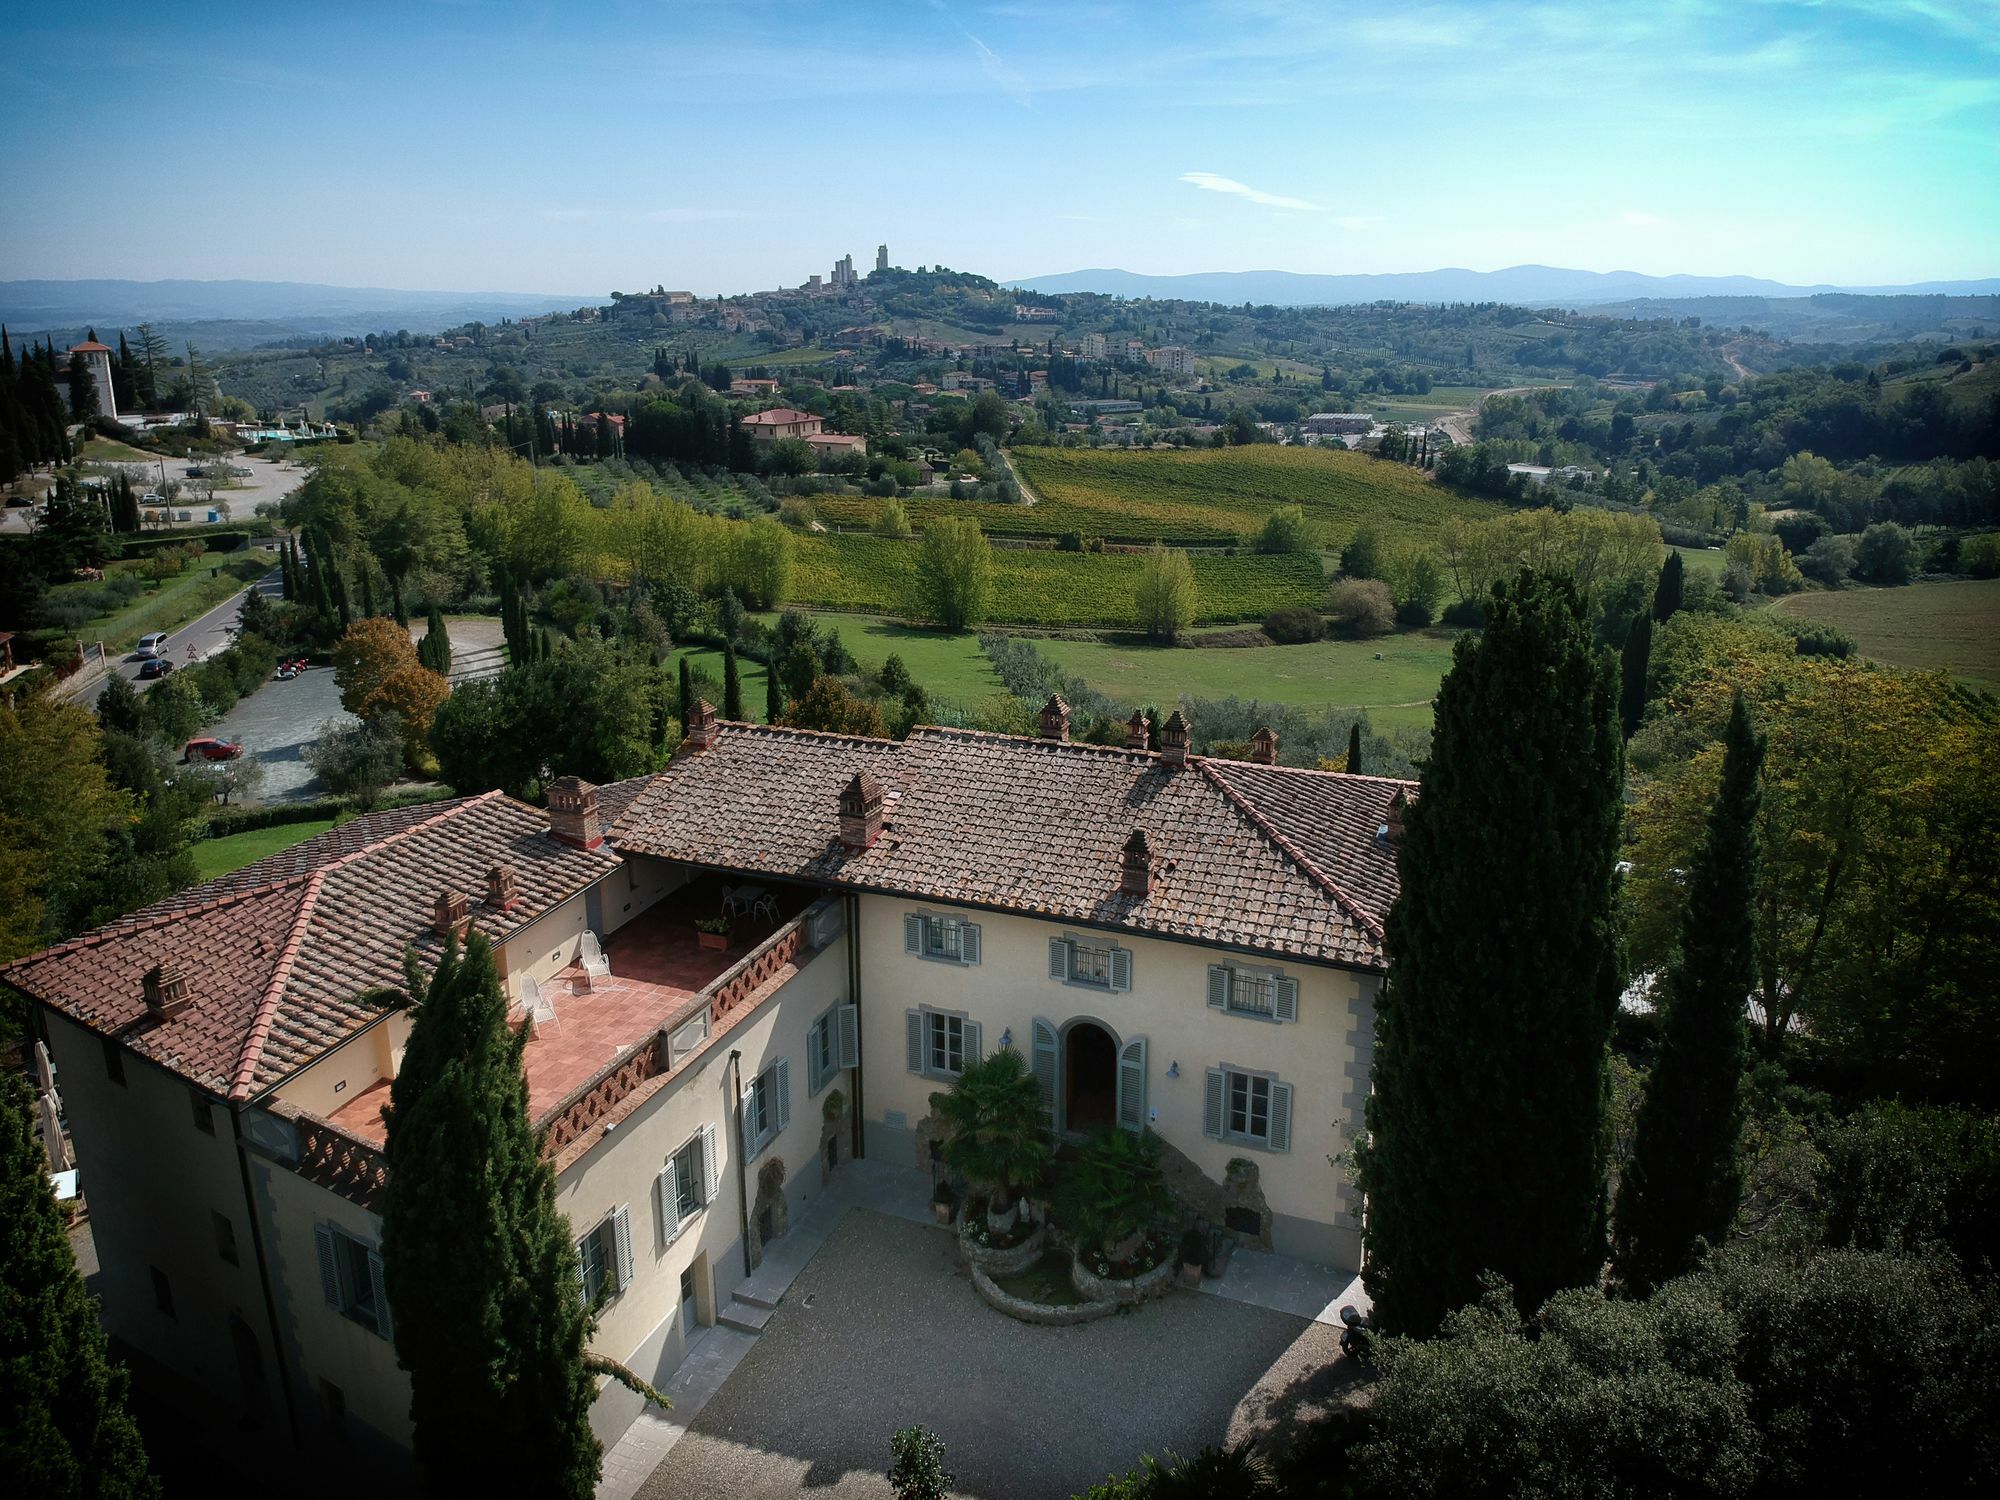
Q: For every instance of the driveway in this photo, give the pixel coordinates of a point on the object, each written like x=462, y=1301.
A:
x=276, y=723
x=882, y=1330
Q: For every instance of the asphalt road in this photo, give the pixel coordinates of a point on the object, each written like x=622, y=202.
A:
x=197, y=640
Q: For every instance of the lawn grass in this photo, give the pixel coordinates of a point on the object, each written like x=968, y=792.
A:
x=1393, y=677
x=204, y=584
x=945, y=666
x=108, y=451
x=708, y=659
x=213, y=857
x=1041, y=586
x=1950, y=626
x=1709, y=560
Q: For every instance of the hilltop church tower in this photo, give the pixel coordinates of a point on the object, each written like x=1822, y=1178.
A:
x=881, y=257
x=97, y=360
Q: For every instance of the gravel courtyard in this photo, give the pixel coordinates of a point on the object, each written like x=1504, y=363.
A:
x=883, y=1330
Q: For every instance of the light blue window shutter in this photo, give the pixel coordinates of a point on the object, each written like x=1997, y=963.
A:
x=1285, y=1000
x=384, y=1325
x=1121, y=968
x=1215, y=1089
x=913, y=1025
x=913, y=933
x=974, y=1039
x=1132, y=1085
x=329, y=1268
x=969, y=942
x=667, y=1189
x=621, y=1234
x=710, y=1177
x=1045, y=1054
x=781, y=1079
x=1218, y=986
x=814, y=1035
x=750, y=1124
x=1281, y=1117
x=847, y=1022
x=1059, y=958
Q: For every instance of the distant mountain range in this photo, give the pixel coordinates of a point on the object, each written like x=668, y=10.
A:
x=276, y=309
x=1531, y=286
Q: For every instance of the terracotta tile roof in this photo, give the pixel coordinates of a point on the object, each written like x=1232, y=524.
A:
x=278, y=957
x=1280, y=860
x=777, y=416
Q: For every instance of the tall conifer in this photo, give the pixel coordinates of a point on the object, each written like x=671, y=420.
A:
x=1354, y=748
x=480, y=1269
x=1685, y=1178
x=1637, y=659
x=1485, y=1147
x=732, y=683
x=1667, y=592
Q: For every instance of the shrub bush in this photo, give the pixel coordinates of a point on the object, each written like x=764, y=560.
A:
x=1887, y=554
x=1294, y=625
x=1980, y=555
x=1361, y=606
x=1829, y=560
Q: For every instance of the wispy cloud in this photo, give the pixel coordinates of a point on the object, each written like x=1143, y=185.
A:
x=1213, y=183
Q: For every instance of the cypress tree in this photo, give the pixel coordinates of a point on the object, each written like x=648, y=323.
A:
x=288, y=574
x=686, y=704
x=1485, y=1146
x=438, y=639
x=732, y=683
x=1354, y=748
x=1632, y=687
x=1667, y=593
x=367, y=576
x=1685, y=1178
x=774, y=696
x=479, y=1266
x=64, y=1429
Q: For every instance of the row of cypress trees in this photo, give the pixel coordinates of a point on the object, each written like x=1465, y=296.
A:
x=34, y=422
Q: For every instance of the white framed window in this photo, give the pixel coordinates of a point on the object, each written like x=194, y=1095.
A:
x=833, y=1042
x=686, y=1184
x=948, y=940
x=1093, y=964
x=767, y=1107
x=604, y=1257
x=1249, y=1108
x=942, y=1043
x=1248, y=990
x=350, y=1278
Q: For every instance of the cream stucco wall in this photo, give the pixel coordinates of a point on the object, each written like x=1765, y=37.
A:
x=1322, y=1054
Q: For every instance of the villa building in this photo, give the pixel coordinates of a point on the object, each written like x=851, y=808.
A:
x=767, y=427
x=1174, y=942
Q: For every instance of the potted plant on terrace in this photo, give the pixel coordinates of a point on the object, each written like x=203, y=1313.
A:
x=712, y=932
x=996, y=1132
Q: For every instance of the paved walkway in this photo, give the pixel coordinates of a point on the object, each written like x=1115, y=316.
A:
x=1273, y=1283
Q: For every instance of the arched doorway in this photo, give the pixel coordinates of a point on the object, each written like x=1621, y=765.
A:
x=1090, y=1077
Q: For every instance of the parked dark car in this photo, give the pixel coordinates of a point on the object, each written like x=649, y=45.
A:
x=157, y=666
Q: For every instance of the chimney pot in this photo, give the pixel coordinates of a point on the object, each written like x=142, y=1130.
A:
x=1264, y=747
x=861, y=811
x=1055, y=718
x=701, y=727
x=1135, y=876
x=1138, y=733
x=166, y=991
x=500, y=891
x=452, y=914
x=1174, y=736
x=1393, y=820
x=573, y=812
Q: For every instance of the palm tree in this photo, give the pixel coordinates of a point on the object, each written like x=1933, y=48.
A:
x=997, y=1131
x=1115, y=1192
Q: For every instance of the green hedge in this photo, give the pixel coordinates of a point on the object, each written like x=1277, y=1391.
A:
x=227, y=820
x=212, y=538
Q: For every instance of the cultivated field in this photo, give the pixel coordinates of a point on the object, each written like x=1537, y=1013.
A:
x=1953, y=626
x=1044, y=587
x=1394, y=677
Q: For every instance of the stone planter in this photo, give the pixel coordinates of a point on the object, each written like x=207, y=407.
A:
x=942, y=1208
x=1010, y=1261
x=1126, y=1292
x=1043, y=1313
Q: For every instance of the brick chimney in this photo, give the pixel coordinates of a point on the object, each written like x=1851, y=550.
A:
x=451, y=914
x=701, y=730
x=166, y=991
x=1174, y=736
x=500, y=892
x=1264, y=747
x=1055, y=718
x=1393, y=819
x=1135, y=876
x=861, y=811
x=573, y=812
x=1138, y=733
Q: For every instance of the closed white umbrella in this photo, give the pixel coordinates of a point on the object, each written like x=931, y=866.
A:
x=53, y=1140
x=45, y=1070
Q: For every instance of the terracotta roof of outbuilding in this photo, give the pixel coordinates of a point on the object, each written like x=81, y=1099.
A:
x=279, y=956
x=1282, y=862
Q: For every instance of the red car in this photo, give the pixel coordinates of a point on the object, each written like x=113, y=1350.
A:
x=211, y=749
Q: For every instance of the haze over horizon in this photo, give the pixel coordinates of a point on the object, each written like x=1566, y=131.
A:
x=740, y=147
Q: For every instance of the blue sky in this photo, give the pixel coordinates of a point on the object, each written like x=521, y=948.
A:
x=726, y=145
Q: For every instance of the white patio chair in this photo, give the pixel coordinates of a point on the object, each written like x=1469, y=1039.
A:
x=591, y=955
x=535, y=1008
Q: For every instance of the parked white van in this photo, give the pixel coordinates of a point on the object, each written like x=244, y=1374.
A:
x=153, y=645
